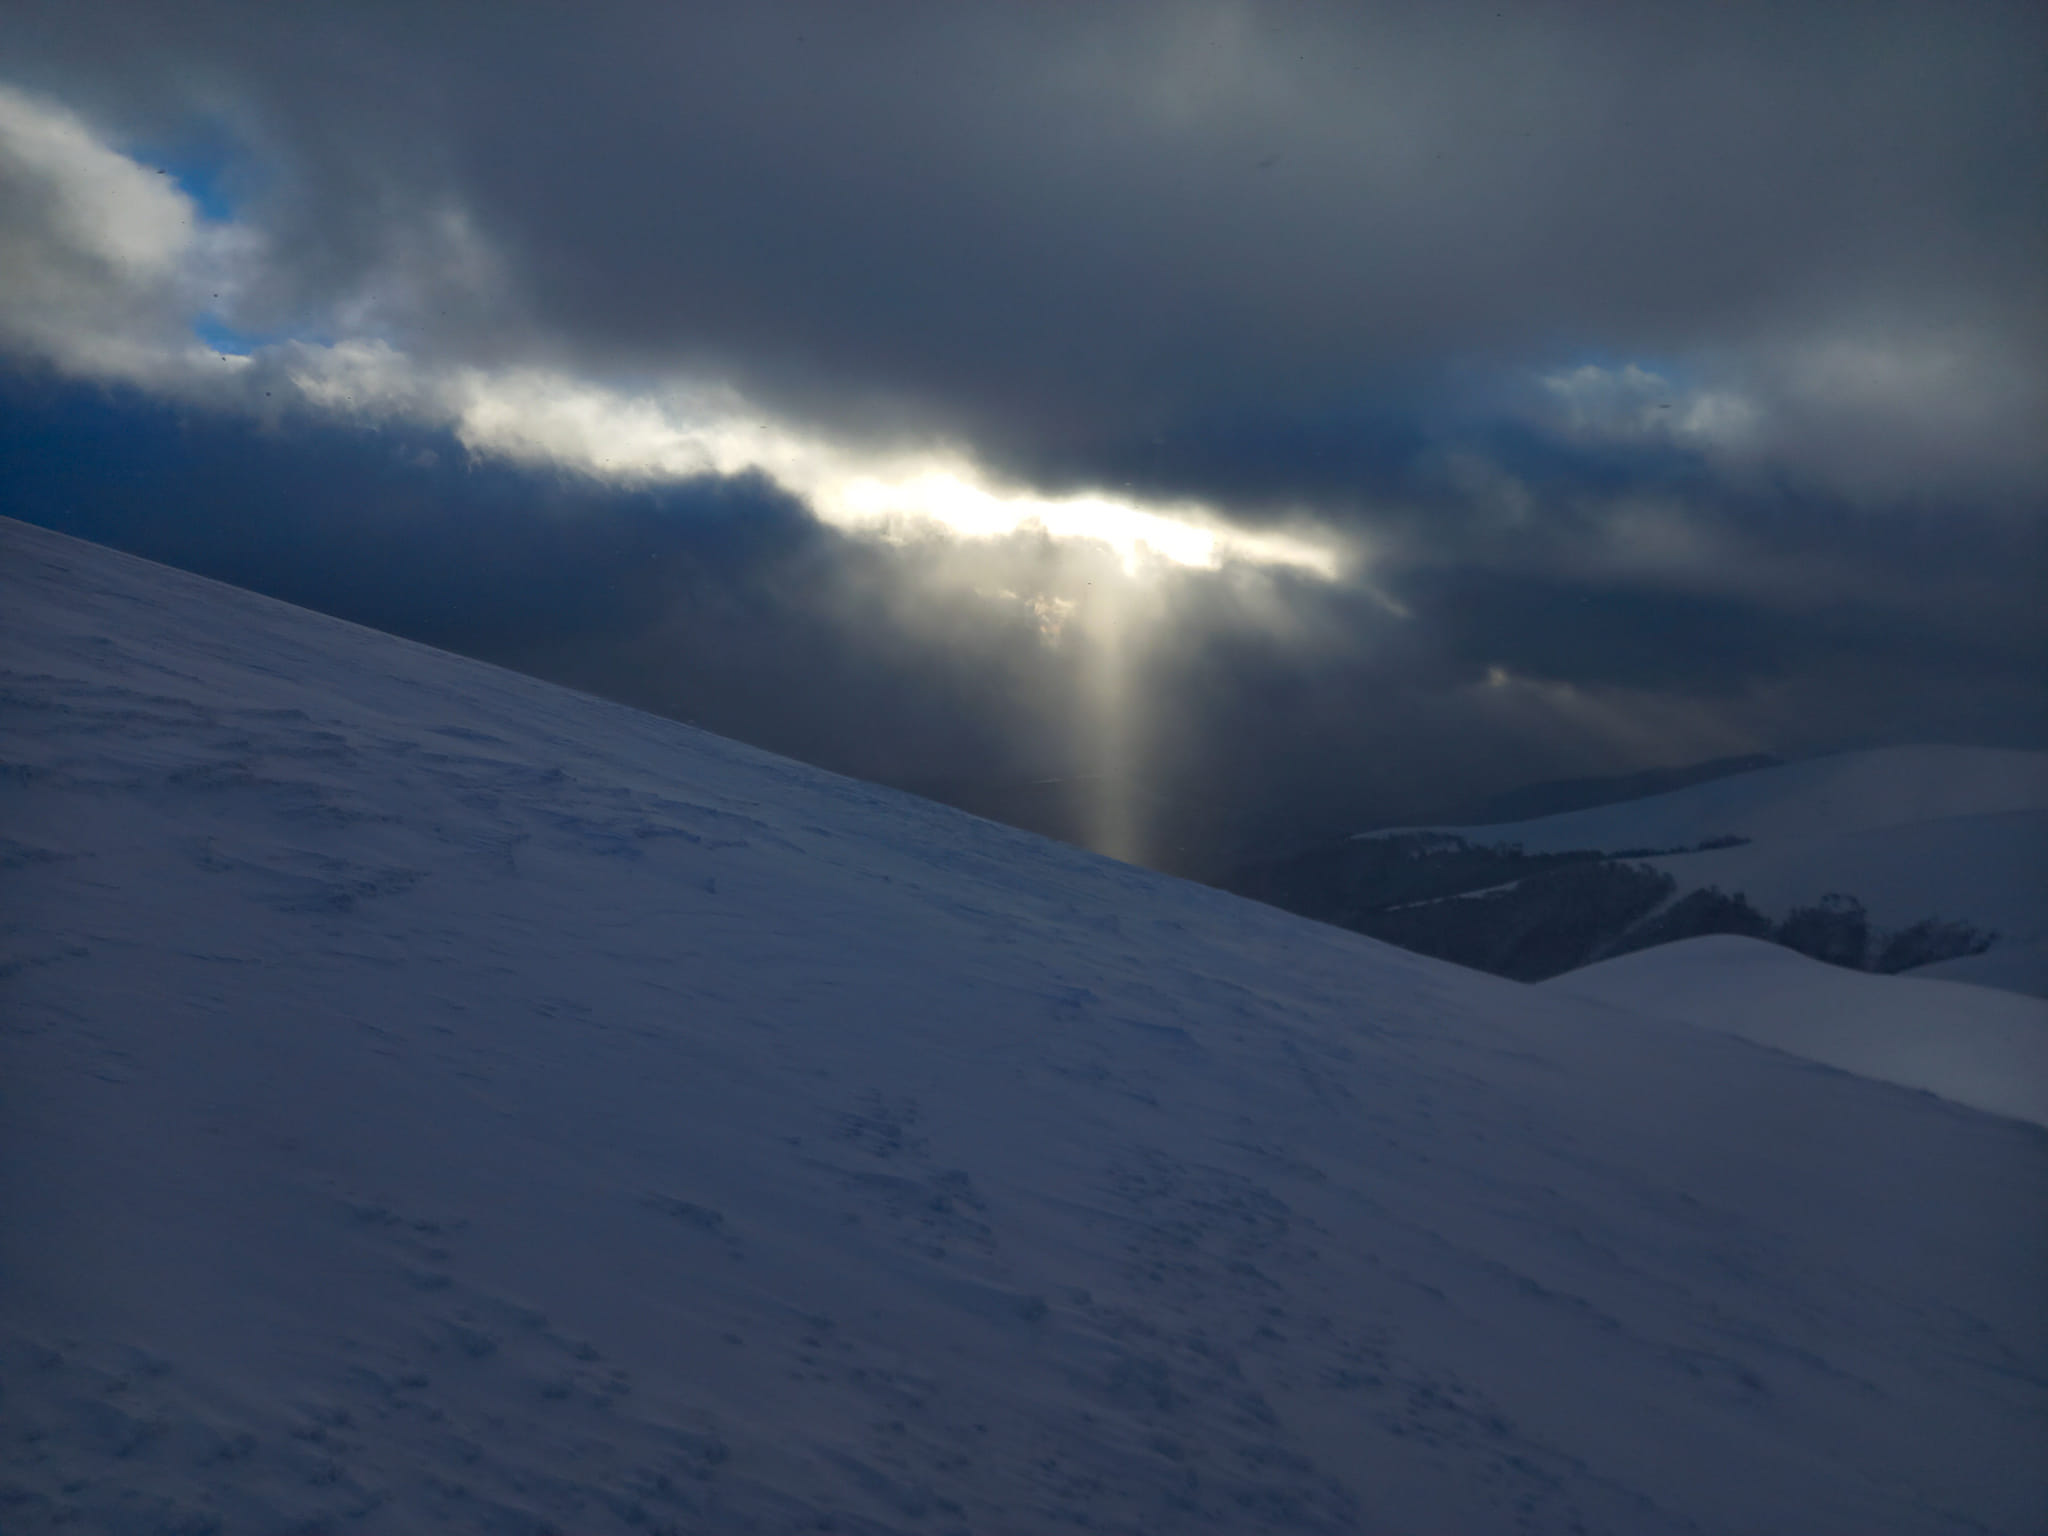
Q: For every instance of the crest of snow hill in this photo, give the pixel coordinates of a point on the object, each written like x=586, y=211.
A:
x=434, y=1100
x=1910, y=859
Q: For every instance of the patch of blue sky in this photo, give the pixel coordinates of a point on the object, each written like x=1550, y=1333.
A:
x=222, y=337
x=206, y=168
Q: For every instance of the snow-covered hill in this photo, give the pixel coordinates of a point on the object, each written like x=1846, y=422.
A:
x=1851, y=792
x=431, y=1100
x=1892, y=860
x=2014, y=967
x=1959, y=833
x=1971, y=1044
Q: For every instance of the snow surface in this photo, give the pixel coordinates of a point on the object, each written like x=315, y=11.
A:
x=2015, y=967
x=1959, y=833
x=1990, y=871
x=1868, y=791
x=1977, y=1046
x=438, y=1101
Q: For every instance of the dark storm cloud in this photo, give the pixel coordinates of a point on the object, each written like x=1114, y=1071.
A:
x=1072, y=228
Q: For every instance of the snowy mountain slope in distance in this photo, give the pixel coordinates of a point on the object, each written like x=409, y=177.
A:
x=1913, y=833
x=1972, y=1044
x=436, y=1101
x=1870, y=791
x=2013, y=967
x=1990, y=871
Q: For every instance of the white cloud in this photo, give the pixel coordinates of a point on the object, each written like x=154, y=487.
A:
x=92, y=245
x=542, y=417
x=1635, y=402
x=1861, y=406
x=99, y=206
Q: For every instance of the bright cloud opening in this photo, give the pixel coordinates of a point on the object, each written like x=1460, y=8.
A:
x=687, y=431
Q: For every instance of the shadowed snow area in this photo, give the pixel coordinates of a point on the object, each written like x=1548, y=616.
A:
x=434, y=1100
x=1870, y=791
x=1957, y=833
x=2013, y=967
x=1972, y=1044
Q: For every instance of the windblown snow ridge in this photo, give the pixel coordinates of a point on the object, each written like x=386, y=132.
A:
x=1977, y=1045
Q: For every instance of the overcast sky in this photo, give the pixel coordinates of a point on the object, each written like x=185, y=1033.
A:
x=1335, y=408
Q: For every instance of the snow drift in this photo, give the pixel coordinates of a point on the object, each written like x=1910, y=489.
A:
x=1972, y=1044
x=2013, y=967
x=434, y=1100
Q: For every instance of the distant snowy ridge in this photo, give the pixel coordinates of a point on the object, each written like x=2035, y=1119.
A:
x=433, y=1100
x=1913, y=833
x=1887, y=860
x=1971, y=1044
x=1851, y=792
x=2013, y=967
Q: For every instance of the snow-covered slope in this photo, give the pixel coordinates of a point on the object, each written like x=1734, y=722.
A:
x=436, y=1101
x=2014, y=967
x=1958, y=834
x=1990, y=871
x=1977, y=1046
x=1852, y=792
